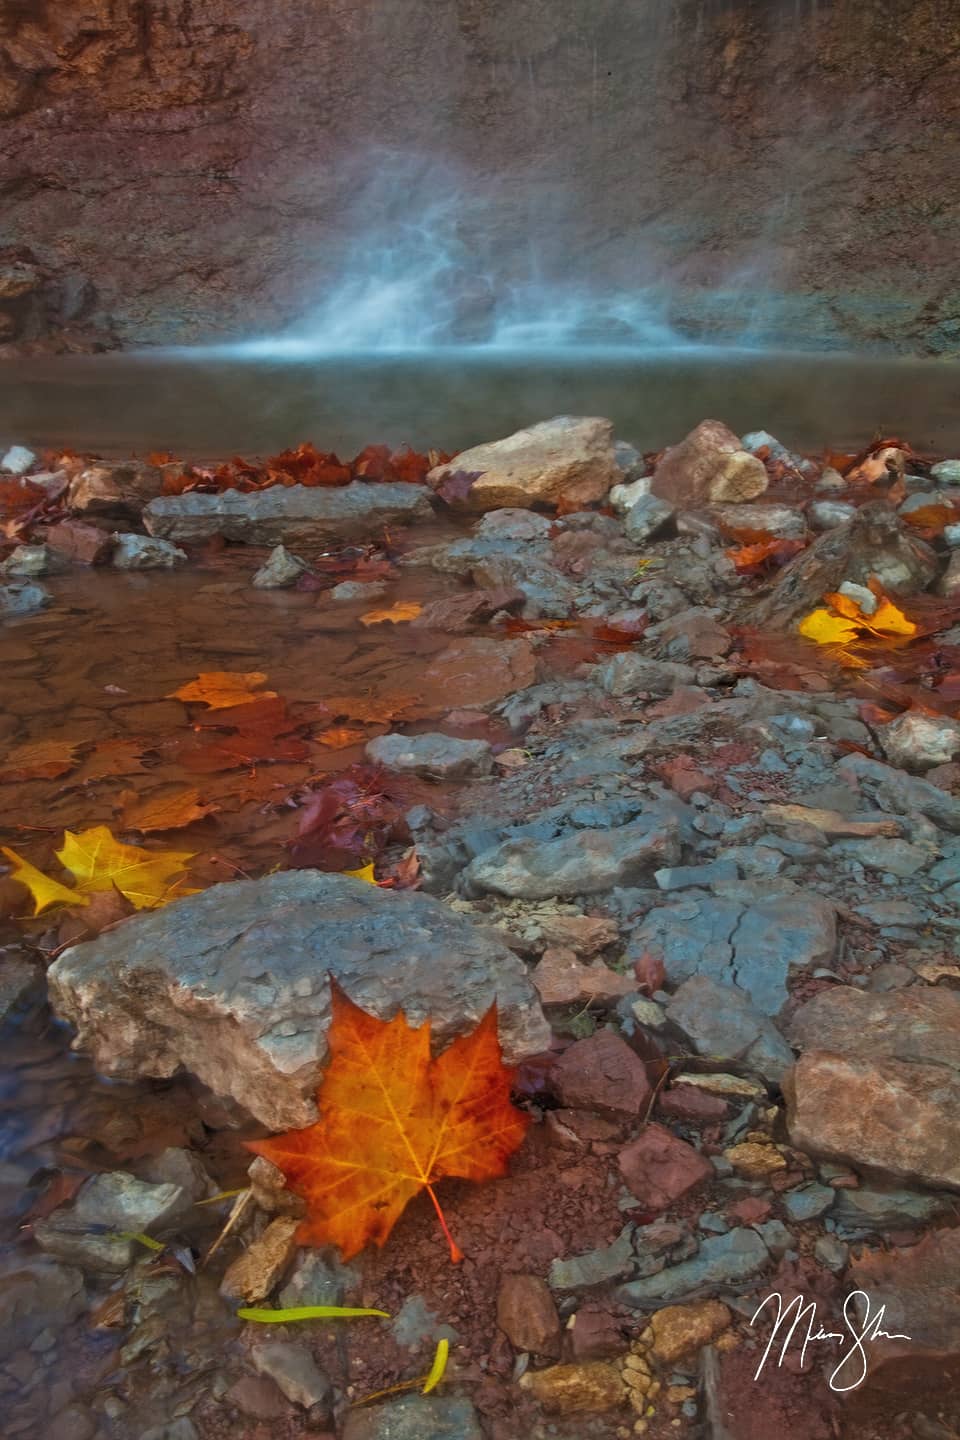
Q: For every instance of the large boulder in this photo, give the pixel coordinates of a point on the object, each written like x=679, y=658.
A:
x=710, y=466
x=570, y=458
x=878, y=1082
x=231, y=984
x=296, y=513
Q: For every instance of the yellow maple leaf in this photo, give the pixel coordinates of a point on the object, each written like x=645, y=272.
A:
x=219, y=689
x=98, y=862
x=365, y=873
x=401, y=610
x=887, y=619
x=45, y=892
x=827, y=629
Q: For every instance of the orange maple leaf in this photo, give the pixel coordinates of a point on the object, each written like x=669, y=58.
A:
x=394, y=1122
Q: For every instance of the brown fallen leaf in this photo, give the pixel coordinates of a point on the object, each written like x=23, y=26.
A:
x=38, y=760
x=114, y=757
x=168, y=808
x=104, y=909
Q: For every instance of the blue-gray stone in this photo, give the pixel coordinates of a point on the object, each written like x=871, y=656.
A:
x=808, y=1202
x=832, y=1253
x=776, y=1237
x=713, y=1223
x=878, y=1208
x=722, y=1260
x=721, y=1022
x=684, y=877
x=596, y=1267
x=24, y=599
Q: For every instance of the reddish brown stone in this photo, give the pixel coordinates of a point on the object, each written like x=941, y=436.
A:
x=455, y=614
x=595, y=1335
x=751, y=1210
x=684, y=776
x=586, y=935
x=575, y=1129
x=686, y=1102
x=81, y=543
x=658, y=1168
x=602, y=1073
x=258, y=1397
x=708, y=464
x=527, y=1315
x=562, y=980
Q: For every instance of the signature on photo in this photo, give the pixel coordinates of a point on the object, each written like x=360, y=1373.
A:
x=798, y=1321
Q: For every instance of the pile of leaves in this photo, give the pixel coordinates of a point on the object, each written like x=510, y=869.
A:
x=306, y=465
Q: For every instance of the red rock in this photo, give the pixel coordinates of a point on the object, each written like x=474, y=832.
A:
x=477, y=670
x=527, y=1315
x=562, y=980
x=584, y=934
x=602, y=1073
x=684, y=700
x=258, y=1397
x=82, y=543
x=575, y=1129
x=686, y=1102
x=650, y=972
x=684, y=776
x=595, y=1335
x=658, y=1168
x=751, y=1210
x=694, y=637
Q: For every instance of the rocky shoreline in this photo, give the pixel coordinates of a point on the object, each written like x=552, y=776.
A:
x=710, y=884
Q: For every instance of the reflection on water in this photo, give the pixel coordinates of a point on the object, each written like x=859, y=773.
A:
x=207, y=404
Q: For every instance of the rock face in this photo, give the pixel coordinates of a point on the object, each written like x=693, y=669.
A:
x=878, y=1082
x=195, y=122
x=297, y=513
x=709, y=466
x=231, y=984
x=568, y=458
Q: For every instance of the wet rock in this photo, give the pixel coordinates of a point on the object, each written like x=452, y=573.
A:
x=528, y=1316
x=570, y=458
x=581, y=863
x=602, y=1073
x=17, y=460
x=691, y=635
x=780, y=522
x=74, y=1422
x=258, y=1397
x=114, y=492
x=720, y=1022
x=867, y=1057
x=679, y=1330
x=949, y=585
x=414, y=1417
x=176, y=1166
x=513, y=524
x=455, y=614
x=595, y=1267
x=622, y=498
x=268, y=1186
x=258, y=1271
x=26, y=562
x=354, y=591
x=23, y=599
x=723, y=1260
x=107, y=1206
x=282, y=513
x=562, y=980
x=909, y=1286
x=318, y=1277
x=478, y=671
x=828, y=514
x=231, y=984
x=916, y=741
x=294, y=1372
x=36, y=1294
x=181, y=1429
x=900, y=794
x=435, y=757
x=874, y=542
x=630, y=674
x=17, y=979
x=82, y=544
x=594, y=1385
x=883, y=1207
x=140, y=552
x=710, y=465
x=658, y=1168
x=946, y=473
x=646, y=517
x=279, y=570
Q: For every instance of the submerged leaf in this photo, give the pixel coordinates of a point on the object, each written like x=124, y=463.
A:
x=400, y=610
x=306, y=1312
x=827, y=629
x=221, y=689
x=45, y=892
x=98, y=862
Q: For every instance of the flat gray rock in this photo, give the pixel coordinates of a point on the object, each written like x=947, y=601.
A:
x=581, y=863
x=231, y=984
x=721, y=1023
x=415, y=1417
x=722, y=1260
x=286, y=512
x=87, y=1233
x=436, y=757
